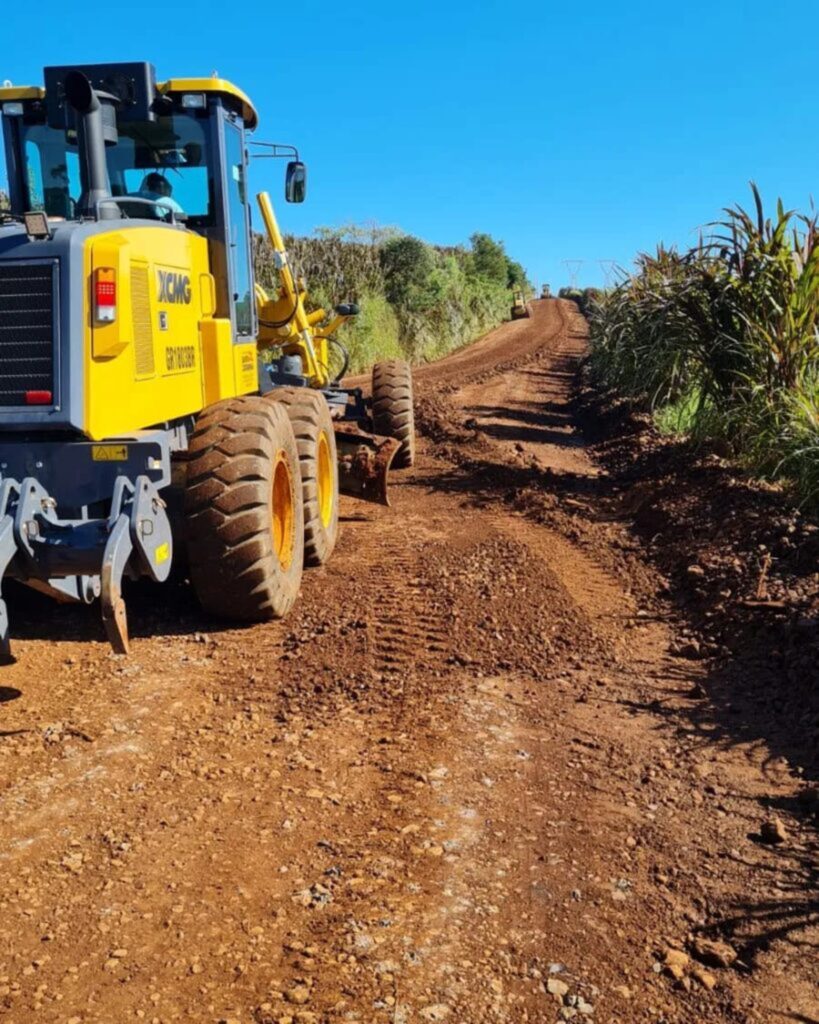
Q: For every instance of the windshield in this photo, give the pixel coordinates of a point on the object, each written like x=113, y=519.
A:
x=166, y=160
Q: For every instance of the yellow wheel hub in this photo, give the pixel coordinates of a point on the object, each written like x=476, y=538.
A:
x=324, y=475
x=282, y=512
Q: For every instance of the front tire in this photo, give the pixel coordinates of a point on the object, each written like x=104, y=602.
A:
x=316, y=441
x=393, y=412
x=243, y=510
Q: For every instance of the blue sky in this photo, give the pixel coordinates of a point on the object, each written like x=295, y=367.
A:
x=570, y=131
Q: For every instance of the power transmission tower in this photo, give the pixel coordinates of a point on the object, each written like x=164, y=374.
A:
x=573, y=267
x=609, y=268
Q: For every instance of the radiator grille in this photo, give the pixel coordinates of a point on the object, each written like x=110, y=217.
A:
x=26, y=330
x=143, y=333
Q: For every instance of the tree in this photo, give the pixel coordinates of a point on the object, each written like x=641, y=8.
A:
x=409, y=266
x=489, y=258
x=516, y=275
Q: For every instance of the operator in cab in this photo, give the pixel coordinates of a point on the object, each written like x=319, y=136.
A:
x=157, y=188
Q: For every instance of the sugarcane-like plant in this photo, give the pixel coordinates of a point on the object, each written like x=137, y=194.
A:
x=728, y=332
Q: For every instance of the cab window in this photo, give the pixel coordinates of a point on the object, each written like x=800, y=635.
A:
x=175, y=147
x=177, y=150
x=238, y=230
x=52, y=172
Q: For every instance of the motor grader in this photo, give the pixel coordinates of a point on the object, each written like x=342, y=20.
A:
x=521, y=310
x=143, y=369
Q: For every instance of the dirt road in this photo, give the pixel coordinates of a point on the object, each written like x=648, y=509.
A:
x=458, y=784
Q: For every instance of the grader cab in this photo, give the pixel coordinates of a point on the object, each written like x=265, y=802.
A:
x=138, y=355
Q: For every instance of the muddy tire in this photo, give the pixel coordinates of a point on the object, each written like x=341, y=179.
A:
x=243, y=510
x=310, y=418
x=393, y=413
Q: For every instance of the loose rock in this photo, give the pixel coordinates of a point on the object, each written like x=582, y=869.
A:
x=773, y=831
x=714, y=953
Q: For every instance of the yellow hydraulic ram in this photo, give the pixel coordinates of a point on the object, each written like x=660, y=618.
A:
x=284, y=321
x=364, y=457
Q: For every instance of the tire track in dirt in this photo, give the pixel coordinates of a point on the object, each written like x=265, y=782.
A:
x=407, y=636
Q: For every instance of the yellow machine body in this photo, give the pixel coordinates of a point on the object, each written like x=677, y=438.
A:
x=166, y=354
x=129, y=315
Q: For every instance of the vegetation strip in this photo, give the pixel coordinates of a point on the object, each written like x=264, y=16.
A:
x=418, y=301
x=722, y=341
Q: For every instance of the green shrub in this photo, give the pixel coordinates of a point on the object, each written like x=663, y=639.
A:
x=374, y=334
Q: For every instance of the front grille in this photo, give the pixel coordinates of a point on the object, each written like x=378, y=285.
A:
x=26, y=330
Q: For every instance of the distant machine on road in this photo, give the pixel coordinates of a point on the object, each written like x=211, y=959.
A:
x=520, y=306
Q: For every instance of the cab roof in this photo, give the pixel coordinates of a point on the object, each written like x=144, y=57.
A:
x=220, y=86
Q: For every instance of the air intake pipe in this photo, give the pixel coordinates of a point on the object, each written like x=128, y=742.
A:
x=96, y=126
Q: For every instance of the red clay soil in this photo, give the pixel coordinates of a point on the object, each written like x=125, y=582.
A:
x=491, y=769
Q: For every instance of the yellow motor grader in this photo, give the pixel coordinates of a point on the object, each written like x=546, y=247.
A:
x=520, y=307
x=139, y=357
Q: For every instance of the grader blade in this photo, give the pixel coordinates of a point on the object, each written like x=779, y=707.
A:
x=364, y=462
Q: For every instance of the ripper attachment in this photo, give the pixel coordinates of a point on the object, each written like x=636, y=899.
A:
x=79, y=557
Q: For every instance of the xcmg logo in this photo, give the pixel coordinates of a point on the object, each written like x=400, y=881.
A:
x=174, y=287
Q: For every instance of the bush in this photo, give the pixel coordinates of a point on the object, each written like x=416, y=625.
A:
x=374, y=334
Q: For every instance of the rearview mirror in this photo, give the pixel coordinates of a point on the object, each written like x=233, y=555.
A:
x=295, y=186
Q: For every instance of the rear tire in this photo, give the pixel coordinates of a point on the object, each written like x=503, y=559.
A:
x=313, y=426
x=393, y=412
x=243, y=510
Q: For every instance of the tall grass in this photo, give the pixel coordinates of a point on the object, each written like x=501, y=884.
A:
x=724, y=338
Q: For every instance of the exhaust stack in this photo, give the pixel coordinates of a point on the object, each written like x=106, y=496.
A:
x=96, y=128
